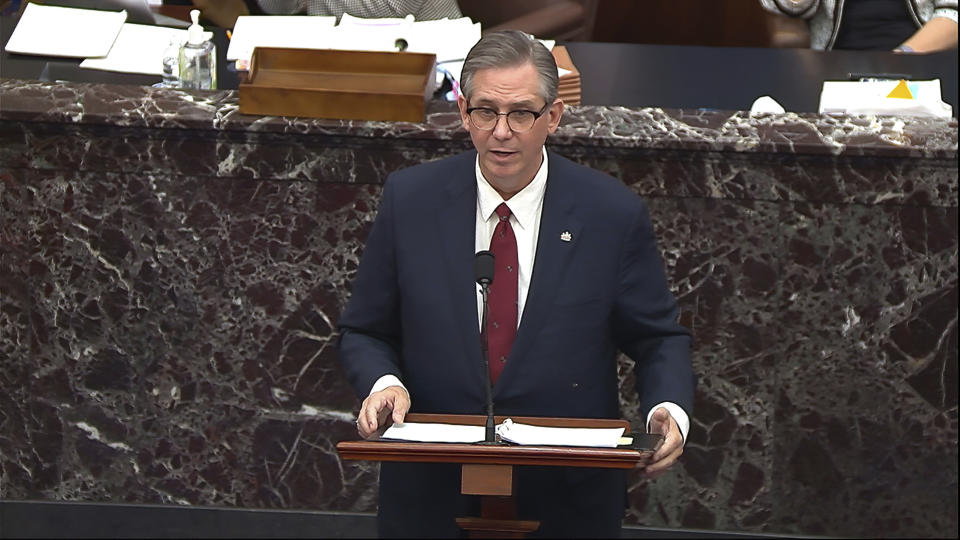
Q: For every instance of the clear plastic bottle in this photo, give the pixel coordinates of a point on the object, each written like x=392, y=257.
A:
x=198, y=58
x=171, y=64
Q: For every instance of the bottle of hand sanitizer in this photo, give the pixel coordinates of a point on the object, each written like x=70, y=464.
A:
x=198, y=58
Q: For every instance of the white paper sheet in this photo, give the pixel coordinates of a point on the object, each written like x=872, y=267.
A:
x=420, y=432
x=68, y=32
x=295, y=31
x=139, y=49
x=557, y=436
x=508, y=430
x=448, y=39
x=359, y=34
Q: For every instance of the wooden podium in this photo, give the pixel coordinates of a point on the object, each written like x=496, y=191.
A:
x=488, y=470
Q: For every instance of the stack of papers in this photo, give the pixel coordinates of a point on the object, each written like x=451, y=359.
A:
x=68, y=32
x=569, y=87
x=102, y=38
x=448, y=39
x=885, y=97
x=293, y=31
x=139, y=49
x=509, y=431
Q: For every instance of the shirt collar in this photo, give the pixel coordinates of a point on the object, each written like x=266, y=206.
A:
x=524, y=205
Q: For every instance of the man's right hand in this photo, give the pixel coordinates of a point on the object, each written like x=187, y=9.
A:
x=377, y=408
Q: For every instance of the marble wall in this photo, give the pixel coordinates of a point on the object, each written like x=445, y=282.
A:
x=171, y=273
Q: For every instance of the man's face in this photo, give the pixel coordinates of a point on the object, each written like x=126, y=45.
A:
x=508, y=159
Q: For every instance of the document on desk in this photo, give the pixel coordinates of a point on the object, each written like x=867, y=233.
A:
x=68, y=32
x=430, y=432
x=508, y=430
x=448, y=39
x=294, y=31
x=526, y=434
x=919, y=98
x=139, y=49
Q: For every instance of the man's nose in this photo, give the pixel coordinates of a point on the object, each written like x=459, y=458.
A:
x=501, y=129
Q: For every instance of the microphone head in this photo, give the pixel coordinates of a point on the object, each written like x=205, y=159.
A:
x=483, y=267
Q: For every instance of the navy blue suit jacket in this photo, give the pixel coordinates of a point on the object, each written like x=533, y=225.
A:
x=413, y=311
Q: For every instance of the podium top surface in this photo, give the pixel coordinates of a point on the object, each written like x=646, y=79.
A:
x=418, y=452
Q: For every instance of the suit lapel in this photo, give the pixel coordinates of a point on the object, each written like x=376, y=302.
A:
x=559, y=231
x=456, y=223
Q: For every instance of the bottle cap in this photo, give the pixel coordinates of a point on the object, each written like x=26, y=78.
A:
x=195, y=32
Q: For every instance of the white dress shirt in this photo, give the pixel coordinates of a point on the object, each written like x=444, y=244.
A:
x=526, y=208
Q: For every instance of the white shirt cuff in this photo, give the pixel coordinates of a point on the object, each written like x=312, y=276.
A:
x=386, y=381
x=678, y=414
x=946, y=13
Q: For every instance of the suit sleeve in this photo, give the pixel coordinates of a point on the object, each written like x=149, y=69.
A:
x=369, y=327
x=645, y=321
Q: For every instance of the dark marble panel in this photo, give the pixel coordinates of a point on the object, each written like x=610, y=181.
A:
x=171, y=273
x=584, y=126
x=113, y=104
x=18, y=461
x=311, y=158
x=175, y=320
x=671, y=173
x=723, y=259
x=865, y=433
x=776, y=177
x=739, y=131
x=865, y=180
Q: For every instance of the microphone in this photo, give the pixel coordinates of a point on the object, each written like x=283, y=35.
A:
x=483, y=268
x=483, y=272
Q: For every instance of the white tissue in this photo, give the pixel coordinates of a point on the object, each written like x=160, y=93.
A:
x=766, y=104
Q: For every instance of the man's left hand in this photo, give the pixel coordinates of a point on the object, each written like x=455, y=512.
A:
x=661, y=422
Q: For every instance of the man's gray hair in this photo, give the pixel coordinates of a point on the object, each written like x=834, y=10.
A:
x=510, y=48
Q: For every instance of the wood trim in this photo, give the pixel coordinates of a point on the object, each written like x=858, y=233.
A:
x=604, y=458
x=479, y=527
x=476, y=479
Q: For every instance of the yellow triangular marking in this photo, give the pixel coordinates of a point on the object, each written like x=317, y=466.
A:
x=901, y=91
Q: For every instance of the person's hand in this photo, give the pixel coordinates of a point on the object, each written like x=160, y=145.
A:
x=375, y=411
x=661, y=422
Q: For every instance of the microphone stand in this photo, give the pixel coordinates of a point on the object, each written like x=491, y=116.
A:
x=490, y=431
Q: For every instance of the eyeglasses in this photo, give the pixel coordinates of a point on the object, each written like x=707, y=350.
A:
x=518, y=121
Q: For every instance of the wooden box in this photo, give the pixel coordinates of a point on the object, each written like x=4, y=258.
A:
x=349, y=85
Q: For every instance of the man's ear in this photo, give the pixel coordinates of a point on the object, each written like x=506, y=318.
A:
x=462, y=104
x=553, y=115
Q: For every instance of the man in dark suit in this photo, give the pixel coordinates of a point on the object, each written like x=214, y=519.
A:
x=578, y=277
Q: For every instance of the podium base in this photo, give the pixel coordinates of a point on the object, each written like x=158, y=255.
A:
x=478, y=527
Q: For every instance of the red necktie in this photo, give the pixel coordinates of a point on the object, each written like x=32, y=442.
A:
x=502, y=303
